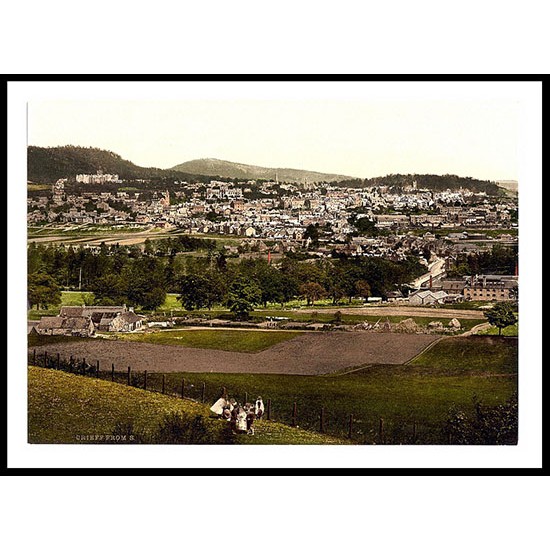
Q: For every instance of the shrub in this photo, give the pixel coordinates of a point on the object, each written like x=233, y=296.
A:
x=496, y=425
x=180, y=428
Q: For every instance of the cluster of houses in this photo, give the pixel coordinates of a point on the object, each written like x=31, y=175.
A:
x=271, y=210
x=482, y=288
x=86, y=320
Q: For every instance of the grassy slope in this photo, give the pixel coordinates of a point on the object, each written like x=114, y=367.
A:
x=62, y=406
x=507, y=331
x=471, y=355
x=448, y=374
x=229, y=340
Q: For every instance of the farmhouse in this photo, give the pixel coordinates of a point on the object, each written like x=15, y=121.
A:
x=65, y=326
x=106, y=318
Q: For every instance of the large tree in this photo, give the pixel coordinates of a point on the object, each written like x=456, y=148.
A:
x=199, y=291
x=312, y=292
x=146, y=283
x=109, y=289
x=243, y=296
x=42, y=290
x=501, y=316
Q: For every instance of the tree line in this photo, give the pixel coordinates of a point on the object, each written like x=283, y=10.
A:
x=141, y=276
x=433, y=182
x=500, y=260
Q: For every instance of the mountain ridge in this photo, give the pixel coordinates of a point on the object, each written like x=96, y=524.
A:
x=215, y=167
x=48, y=164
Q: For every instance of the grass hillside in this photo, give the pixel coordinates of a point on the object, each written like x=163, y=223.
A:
x=67, y=408
x=476, y=355
x=449, y=374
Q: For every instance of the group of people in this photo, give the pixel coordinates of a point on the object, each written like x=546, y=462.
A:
x=240, y=416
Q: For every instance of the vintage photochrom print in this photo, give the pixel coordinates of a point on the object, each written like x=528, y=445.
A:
x=272, y=270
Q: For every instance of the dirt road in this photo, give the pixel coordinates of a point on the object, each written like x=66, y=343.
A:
x=305, y=354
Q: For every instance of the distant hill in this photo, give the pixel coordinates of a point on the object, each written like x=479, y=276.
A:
x=426, y=181
x=509, y=185
x=48, y=164
x=223, y=168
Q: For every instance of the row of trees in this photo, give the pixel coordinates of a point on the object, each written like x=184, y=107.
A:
x=500, y=260
x=125, y=274
x=428, y=181
x=253, y=282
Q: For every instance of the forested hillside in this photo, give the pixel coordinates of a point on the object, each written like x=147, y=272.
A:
x=48, y=164
x=425, y=181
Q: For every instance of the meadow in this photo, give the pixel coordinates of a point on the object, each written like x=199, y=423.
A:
x=229, y=340
x=413, y=400
x=67, y=408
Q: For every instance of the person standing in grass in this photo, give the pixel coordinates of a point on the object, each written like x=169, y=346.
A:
x=241, y=420
x=259, y=407
x=250, y=417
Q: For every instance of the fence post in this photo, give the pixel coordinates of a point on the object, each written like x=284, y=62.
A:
x=163, y=382
x=203, y=391
x=34, y=356
x=145, y=380
x=129, y=375
x=245, y=397
x=350, y=426
x=294, y=414
x=112, y=372
x=182, y=388
x=322, y=420
x=381, y=430
x=97, y=369
x=58, y=361
x=269, y=409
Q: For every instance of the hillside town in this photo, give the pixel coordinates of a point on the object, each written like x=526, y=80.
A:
x=280, y=212
x=438, y=228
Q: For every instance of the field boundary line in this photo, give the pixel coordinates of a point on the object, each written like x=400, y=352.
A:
x=429, y=346
x=350, y=371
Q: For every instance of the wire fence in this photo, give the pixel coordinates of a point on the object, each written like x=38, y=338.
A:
x=292, y=413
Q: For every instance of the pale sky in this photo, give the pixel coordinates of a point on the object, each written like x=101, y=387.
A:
x=477, y=138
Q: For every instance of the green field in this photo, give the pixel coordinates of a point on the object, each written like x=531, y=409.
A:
x=474, y=355
x=507, y=331
x=82, y=230
x=172, y=303
x=449, y=374
x=228, y=340
x=66, y=408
